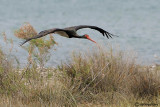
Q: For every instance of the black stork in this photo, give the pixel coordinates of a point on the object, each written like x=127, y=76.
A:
x=71, y=32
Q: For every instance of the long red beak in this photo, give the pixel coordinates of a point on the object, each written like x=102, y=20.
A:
x=90, y=39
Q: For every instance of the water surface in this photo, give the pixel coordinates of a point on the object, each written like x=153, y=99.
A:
x=136, y=22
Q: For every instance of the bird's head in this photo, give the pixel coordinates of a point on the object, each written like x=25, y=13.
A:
x=87, y=37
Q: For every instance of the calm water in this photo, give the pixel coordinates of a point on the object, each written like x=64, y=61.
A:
x=137, y=22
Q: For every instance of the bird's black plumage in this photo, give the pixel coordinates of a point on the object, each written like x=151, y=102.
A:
x=103, y=32
x=70, y=32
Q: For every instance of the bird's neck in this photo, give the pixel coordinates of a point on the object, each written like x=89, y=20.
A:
x=78, y=36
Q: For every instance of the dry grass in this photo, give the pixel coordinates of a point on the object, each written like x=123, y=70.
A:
x=96, y=79
x=101, y=77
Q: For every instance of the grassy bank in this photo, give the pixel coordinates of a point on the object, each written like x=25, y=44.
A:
x=97, y=78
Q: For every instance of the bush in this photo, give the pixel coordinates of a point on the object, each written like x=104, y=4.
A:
x=37, y=49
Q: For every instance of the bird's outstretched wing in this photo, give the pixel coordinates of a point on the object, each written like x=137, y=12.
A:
x=102, y=31
x=42, y=33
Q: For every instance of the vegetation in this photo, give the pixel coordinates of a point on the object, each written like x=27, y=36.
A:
x=98, y=78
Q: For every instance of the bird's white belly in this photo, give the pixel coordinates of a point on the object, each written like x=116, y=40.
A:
x=61, y=33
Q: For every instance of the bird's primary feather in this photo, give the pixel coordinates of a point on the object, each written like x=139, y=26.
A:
x=102, y=31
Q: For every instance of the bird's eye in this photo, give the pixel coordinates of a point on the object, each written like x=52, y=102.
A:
x=86, y=35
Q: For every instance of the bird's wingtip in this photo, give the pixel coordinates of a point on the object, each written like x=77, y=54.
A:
x=115, y=35
x=22, y=43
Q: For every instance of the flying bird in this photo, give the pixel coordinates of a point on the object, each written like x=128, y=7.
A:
x=71, y=32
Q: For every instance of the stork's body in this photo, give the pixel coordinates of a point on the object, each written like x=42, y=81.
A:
x=71, y=32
